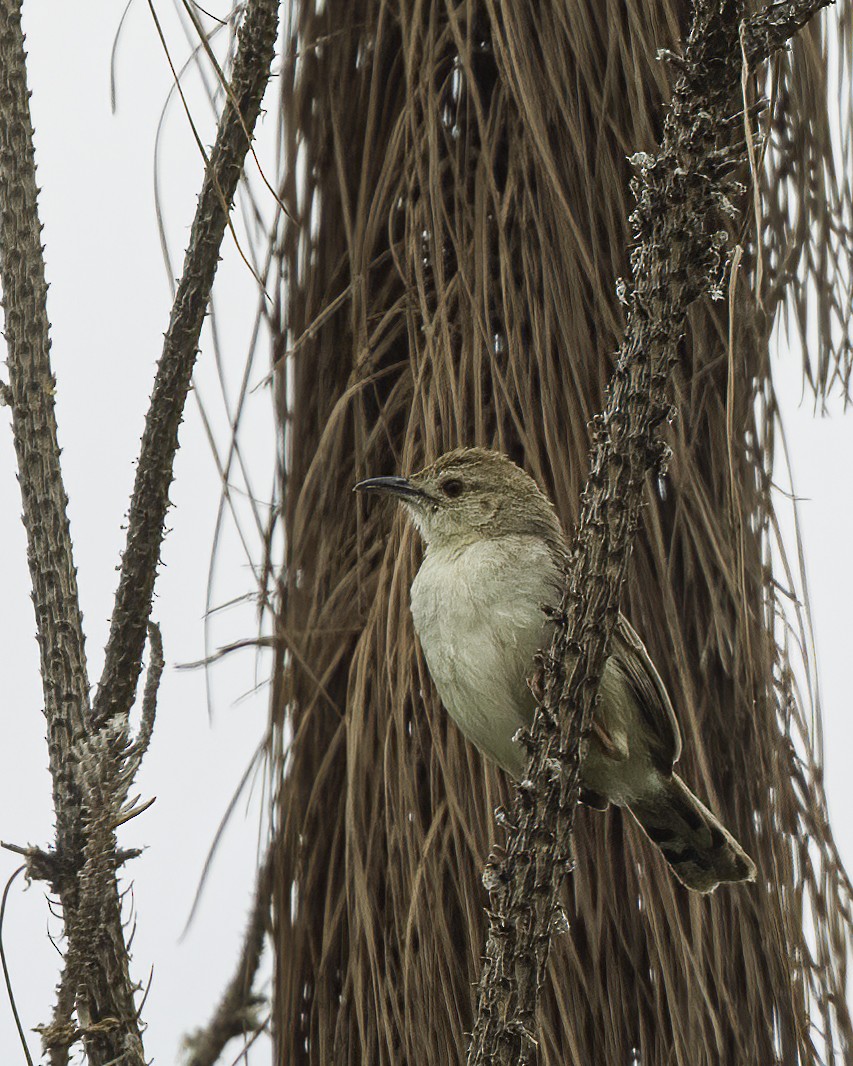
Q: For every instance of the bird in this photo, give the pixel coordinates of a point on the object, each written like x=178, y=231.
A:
x=494, y=562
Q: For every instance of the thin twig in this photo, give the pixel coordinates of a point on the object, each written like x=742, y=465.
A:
x=149, y=695
x=234, y=1016
x=6, y=976
x=152, y=687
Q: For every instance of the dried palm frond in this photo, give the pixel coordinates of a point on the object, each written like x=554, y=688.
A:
x=461, y=188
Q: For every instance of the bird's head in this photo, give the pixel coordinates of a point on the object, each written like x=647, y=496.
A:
x=471, y=494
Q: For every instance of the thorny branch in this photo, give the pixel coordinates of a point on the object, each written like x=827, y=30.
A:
x=149, y=695
x=92, y=759
x=106, y=990
x=30, y=394
x=150, y=500
x=678, y=254
x=771, y=29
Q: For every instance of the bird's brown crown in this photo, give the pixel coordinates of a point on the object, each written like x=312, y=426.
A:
x=474, y=493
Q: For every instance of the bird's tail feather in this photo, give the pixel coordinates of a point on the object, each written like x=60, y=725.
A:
x=701, y=852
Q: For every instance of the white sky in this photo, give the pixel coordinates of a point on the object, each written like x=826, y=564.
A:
x=109, y=304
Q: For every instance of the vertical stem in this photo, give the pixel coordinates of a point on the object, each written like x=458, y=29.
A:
x=31, y=395
x=150, y=500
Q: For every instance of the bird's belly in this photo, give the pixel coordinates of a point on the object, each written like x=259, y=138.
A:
x=480, y=625
x=482, y=682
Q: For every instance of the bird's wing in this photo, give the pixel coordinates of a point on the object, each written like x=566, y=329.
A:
x=629, y=654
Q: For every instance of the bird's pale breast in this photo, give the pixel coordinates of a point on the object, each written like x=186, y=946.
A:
x=478, y=612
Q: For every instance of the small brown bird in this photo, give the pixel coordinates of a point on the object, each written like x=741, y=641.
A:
x=495, y=553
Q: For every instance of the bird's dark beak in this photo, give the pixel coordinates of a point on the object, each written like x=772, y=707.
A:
x=394, y=486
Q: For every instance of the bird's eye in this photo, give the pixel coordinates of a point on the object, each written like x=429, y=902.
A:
x=452, y=488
